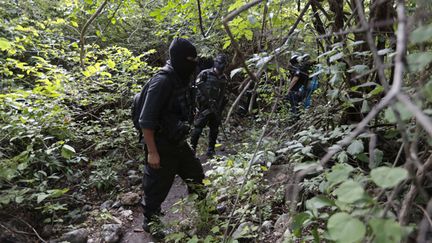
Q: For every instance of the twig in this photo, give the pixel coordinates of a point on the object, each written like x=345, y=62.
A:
x=429, y=220
x=398, y=154
x=84, y=30
x=412, y=193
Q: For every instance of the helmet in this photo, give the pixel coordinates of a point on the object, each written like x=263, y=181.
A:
x=304, y=58
x=294, y=59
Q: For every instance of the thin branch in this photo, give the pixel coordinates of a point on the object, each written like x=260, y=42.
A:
x=112, y=16
x=200, y=19
x=412, y=193
x=300, y=17
x=84, y=30
x=215, y=18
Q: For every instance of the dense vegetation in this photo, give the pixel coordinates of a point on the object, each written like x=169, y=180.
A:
x=354, y=167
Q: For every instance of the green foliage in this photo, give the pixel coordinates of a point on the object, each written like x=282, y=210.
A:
x=342, y=227
x=387, y=177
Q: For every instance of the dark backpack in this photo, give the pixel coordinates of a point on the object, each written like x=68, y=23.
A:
x=138, y=103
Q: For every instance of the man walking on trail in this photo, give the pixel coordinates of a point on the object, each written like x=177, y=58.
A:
x=299, y=73
x=164, y=117
x=211, y=84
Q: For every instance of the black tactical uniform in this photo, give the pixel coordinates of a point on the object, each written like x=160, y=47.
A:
x=166, y=111
x=211, y=84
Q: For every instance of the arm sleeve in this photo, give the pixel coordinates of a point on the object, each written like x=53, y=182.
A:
x=157, y=98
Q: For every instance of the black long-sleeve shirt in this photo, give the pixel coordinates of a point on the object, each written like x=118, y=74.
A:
x=167, y=102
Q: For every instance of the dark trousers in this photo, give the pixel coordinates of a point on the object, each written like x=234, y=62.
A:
x=294, y=98
x=213, y=121
x=174, y=160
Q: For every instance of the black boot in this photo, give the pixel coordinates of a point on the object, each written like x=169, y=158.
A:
x=154, y=226
x=210, y=152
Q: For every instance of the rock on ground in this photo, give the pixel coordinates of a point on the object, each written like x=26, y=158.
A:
x=111, y=233
x=76, y=236
x=130, y=199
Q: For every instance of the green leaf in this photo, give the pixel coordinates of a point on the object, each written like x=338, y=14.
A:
x=344, y=228
x=421, y=34
x=365, y=107
x=405, y=113
x=419, y=61
x=339, y=173
x=387, y=177
x=342, y=157
x=4, y=44
x=67, y=151
x=349, y=191
x=359, y=68
x=215, y=229
x=57, y=192
x=111, y=64
x=386, y=230
x=298, y=221
x=235, y=71
x=378, y=155
x=427, y=91
x=336, y=57
x=41, y=197
x=355, y=147
x=318, y=202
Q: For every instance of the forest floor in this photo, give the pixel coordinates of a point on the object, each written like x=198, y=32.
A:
x=133, y=232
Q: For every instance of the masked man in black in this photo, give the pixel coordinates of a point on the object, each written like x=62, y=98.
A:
x=164, y=121
x=211, y=84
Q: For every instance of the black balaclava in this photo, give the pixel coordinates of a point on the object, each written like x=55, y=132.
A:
x=182, y=56
x=220, y=62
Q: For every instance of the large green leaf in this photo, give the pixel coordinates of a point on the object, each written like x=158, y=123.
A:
x=344, y=228
x=339, y=173
x=4, y=44
x=318, y=202
x=387, y=177
x=421, y=34
x=418, y=61
x=386, y=230
x=355, y=147
x=404, y=112
x=349, y=191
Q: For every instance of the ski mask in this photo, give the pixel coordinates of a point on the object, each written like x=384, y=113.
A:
x=220, y=62
x=183, y=57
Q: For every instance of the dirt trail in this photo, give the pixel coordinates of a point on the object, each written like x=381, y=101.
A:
x=134, y=232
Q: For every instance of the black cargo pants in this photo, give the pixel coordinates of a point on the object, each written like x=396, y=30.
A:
x=174, y=160
x=213, y=121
